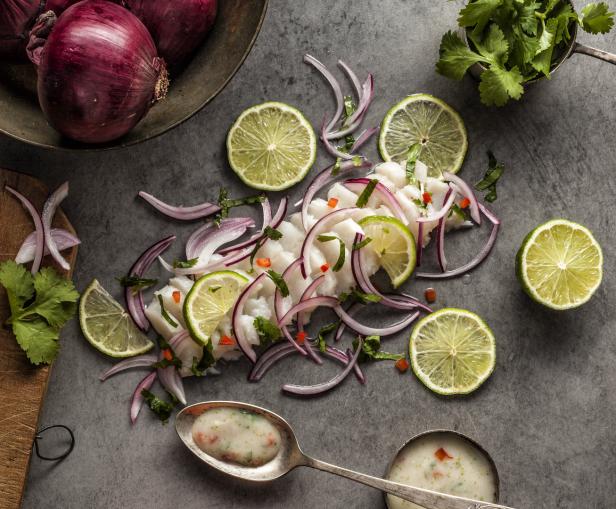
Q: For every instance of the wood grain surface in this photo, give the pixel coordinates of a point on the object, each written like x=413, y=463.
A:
x=22, y=386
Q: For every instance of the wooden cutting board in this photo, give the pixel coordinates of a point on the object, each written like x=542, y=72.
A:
x=22, y=386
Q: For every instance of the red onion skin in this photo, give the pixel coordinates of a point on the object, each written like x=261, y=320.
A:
x=16, y=19
x=99, y=72
x=178, y=27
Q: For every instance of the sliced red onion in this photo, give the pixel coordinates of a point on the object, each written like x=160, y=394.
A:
x=278, y=307
x=137, y=399
x=321, y=225
x=419, y=244
x=386, y=196
x=178, y=212
x=238, y=310
x=27, y=251
x=374, y=331
x=323, y=179
x=208, y=243
x=363, y=138
x=200, y=268
x=39, y=231
x=353, y=308
x=352, y=78
x=49, y=210
x=465, y=190
x=141, y=361
x=450, y=198
x=330, y=147
x=309, y=59
x=134, y=300
x=172, y=382
x=355, y=120
x=314, y=302
x=201, y=237
x=481, y=256
x=339, y=355
x=311, y=390
x=312, y=287
x=440, y=244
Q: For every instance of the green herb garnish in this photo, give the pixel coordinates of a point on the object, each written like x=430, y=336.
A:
x=268, y=233
x=488, y=183
x=516, y=41
x=326, y=329
x=268, y=332
x=279, y=282
x=225, y=203
x=272, y=233
x=362, y=243
x=342, y=253
x=160, y=407
x=164, y=362
x=164, y=313
x=363, y=198
x=185, y=264
x=359, y=296
x=136, y=283
x=411, y=161
x=199, y=367
x=370, y=351
x=40, y=306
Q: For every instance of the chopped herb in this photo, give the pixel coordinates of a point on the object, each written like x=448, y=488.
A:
x=370, y=351
x=225, y=203
x=279, y=282
x=349, y=141
x=357, y=160
x=326, y=238
x=214, y=289
x=185, y=264
x=326, y=329
x=268, y=233
x=136, y=283
x=336, y=167
x=40, y=306
x=272, y=233
x=342, y=254
x=164, y=313
x=411, y=161
x=359, y=296
x=268, y=332
x=169, y=357
x=363, y=198
x=159, y=406
x=363, y=243
x=349, y=107
x=199, y=367
x=488, y=183
x=461, y=213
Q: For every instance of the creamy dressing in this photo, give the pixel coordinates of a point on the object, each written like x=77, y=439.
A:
x=237, y=436
x=443, y=462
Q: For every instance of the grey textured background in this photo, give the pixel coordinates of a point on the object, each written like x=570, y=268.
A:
x=546, y=414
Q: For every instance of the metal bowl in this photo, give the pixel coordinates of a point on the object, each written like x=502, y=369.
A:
x=210, y=69
x=457, y=434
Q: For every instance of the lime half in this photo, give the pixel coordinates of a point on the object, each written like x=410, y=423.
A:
x=394, y=244
x=424, y=119
x=452, y=351
x=209, y=300
x=560, y=264
x=271, y=146
x=107, y=326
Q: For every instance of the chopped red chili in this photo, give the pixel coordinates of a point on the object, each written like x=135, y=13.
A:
x=167, y=354
x=301, y=337
x=442, y=455
x=226, y=341
x=426, y=197
x=464, y=203
x=264, y=262
x=176, y=296
x=402, y=365
x=325, y=267
x=332, y=202
x=430, y=295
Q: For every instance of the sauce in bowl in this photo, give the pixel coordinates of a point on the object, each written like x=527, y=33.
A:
x=445, y=462
x=237, y=436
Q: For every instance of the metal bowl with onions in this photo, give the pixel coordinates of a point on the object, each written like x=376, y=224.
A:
x=207, y=72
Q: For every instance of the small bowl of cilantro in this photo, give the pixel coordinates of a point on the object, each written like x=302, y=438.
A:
x=510, y=43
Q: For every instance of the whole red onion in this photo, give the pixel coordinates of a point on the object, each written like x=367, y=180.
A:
x=98, y=70
x=16, y=18
x=177, y=26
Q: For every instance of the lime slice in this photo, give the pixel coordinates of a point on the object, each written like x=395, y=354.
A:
x=424, y=119
x=452, y=351
x=560, y=264
x=394, y=244
x=209, y=300
x=107, y=326
x=271, y=146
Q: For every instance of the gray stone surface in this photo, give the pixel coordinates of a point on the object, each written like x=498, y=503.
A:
x=547, y=413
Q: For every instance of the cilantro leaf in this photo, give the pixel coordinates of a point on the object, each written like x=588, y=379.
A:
x=596, y=18
x=477, y=14
x=493, y=47
x=359, y=296
x=160, y=407
x=164, y=312
x=361, y=244
x=272, y=233
x=136, y=283
x=56, y=298
x=363, y=198
x=411, y=162
x=326, y=329
x=371, y=351
x=199, y=367
x=279, y=282
x=37, y=339
x=455, y=57
x=185, y=264
x=526, y=16
x=268, y=332
x=18, y=283
x=498, y=85
x=493, y=174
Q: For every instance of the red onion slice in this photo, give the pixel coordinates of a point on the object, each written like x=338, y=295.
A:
x=27, y=251
x=321, y=225
x=312, y=287
x=238, y=310
x=209, y=231
x=363, y=138
x=172, y=382
x=137, y=399
x=309, y=59
x=440, y=245
x=353, y=308
x=419, y=248
x=314, y=302
x=352, y=78
x=330, y=147
x=141, y=361
x=49, y=210
x=278, y=306
x=465, y=190
x=374, y=331
x=355, y=120
x=134, y=300
x=386, y=196
x=39, y=230
x=481, y=256
x=311, y=390
x=178, y=212
x=450, y=198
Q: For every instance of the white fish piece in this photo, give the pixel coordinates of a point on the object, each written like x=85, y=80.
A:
x=186, y=351
x=421, y=172
x=175, y=309
x=182, y=283
x=346, y=198
x=227, y=352
x=246, y=324
x=319, y=208
x=393, y=171
x=330, y=284
x=438, y=189
x=316, y=259
x=282, y=260
x=383, y=179
x=412, y=192
x=258, y=306
x=164, y=328
x=411, y=211
x=346, y=230
x=292, y=237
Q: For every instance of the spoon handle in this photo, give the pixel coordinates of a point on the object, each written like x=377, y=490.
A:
x=425, y=498
x=594, y=52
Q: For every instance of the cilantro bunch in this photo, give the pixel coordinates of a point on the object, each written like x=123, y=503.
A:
x=516, y=40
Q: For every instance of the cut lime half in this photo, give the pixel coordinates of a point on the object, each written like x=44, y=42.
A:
x=452, y=351
x=107, y=326
x=271, y=146
x=394, y=244
x=209, y=300
x=560, y=264
x=428, y=121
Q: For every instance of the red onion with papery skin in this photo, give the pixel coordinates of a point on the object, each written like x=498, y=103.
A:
x=16, y=19
x=98, y=70
x=178, y=27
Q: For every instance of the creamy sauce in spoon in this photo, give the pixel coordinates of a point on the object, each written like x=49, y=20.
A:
x=237, y=436
x=446, y=463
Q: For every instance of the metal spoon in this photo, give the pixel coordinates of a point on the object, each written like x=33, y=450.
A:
x=290, y=456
